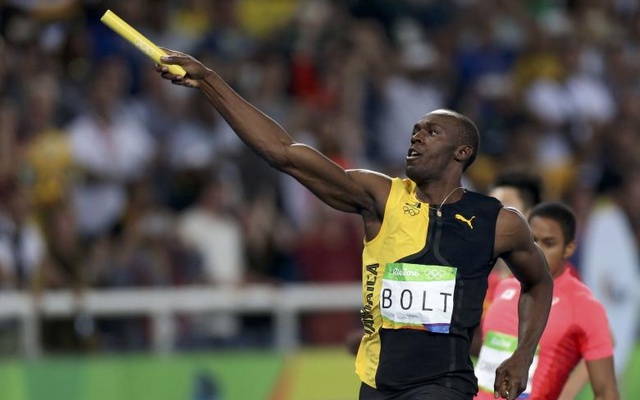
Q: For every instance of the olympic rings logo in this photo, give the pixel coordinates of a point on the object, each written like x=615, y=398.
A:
x=411, y=209
x=437, y=275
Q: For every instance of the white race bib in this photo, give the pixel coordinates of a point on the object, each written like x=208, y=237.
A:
x=496, y=348
x=416, y=296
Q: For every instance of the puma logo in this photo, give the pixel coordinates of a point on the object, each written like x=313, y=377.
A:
x=466, y=221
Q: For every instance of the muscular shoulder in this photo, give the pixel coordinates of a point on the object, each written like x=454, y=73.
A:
x=373, y=181
x=376, y=185
x=512, y=232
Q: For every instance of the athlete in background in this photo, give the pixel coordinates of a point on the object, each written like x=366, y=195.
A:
x=577, y=326
x=519, y=190
x=516, y=189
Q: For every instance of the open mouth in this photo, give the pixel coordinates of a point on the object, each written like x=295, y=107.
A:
x=412, y=154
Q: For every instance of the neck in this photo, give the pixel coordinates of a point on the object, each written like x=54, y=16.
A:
x=438, y=194
x=559, y=270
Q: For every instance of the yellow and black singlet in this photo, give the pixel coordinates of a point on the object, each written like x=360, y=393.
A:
x=424, y=281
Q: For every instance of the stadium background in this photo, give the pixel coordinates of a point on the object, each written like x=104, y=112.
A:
x=110, y=178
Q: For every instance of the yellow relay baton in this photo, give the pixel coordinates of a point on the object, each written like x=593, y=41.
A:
x=137, y=39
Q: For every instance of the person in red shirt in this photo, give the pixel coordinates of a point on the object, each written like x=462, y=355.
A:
x=516, y=189
x=521, y=190
x=577, y=327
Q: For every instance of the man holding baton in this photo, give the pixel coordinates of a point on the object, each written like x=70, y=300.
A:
x=430, y=245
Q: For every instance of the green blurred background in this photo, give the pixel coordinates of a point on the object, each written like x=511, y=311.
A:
x=308, y=374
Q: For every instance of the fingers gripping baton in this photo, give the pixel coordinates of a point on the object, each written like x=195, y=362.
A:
x=137, y=39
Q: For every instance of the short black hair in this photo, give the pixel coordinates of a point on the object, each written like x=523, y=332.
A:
x=559, y=212
x=528, y=185
x=469, y=135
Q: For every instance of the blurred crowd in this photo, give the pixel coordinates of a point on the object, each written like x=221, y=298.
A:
x=111, y=177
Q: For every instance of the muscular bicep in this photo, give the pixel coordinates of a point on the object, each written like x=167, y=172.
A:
x=354, y=191
x=515, y=245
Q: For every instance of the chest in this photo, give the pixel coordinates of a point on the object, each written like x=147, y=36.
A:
x=458, y=237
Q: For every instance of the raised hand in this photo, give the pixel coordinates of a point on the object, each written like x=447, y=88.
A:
x=196, y=71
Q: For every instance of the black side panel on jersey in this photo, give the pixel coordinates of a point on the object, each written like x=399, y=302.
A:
x=463, y=237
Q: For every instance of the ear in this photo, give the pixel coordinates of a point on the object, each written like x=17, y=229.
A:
x=463, y=153
x=569, y=249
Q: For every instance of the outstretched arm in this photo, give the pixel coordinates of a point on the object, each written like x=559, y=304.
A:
x=355, y=191
x=514, y=243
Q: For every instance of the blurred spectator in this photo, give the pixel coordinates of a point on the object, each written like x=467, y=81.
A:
x=65, y=269
x=160, y=28
x=481, y=51
x=147, y=254
x=48, y=160
x=270, y=238
x=9, y=156
x=111, y=147
x=22, y=254
x=210, y=228
x=569, y=109
x=415, y=86
x=199, y=140
x=611, y=262
x=191, y=18
x=22, y=246
x=225, y=37
x=328, y=251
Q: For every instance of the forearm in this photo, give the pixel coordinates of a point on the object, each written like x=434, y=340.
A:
x=257, y=130
x=610, y=393
x=533, y=310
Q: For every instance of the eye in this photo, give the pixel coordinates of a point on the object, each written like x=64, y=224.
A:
x=547, y=243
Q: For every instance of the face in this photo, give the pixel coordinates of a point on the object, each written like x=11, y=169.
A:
x=548, y=235
x=509, y=197
x=434, y=144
